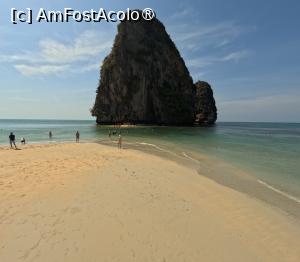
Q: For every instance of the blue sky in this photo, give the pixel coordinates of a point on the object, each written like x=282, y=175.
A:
x=247, y=50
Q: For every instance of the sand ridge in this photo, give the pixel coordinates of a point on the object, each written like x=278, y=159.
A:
x=89, y=202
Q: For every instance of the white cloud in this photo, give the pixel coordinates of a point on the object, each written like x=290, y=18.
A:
x=21, y=57
x=204, y=44
x=86, y=46
x=33, y=70
x=195, y=36
x=202, y=62
x=89, y=67
x=216, y=31
x=186, y=12
x=83, y=54
x=28, y=70
x=237, y=56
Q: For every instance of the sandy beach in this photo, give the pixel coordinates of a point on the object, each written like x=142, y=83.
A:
x=90, y=202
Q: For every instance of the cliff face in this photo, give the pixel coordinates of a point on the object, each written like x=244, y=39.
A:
x=144, y=79
x=205, y=106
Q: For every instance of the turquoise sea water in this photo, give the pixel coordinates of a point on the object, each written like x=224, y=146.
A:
x=269, y=151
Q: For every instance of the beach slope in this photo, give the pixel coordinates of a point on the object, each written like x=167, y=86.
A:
x=89, y=202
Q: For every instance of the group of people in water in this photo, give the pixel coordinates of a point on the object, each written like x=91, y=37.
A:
x=120, y=139
x=77, y=136
x=12, y=138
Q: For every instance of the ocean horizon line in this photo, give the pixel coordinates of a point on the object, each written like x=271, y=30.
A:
x=93, y=120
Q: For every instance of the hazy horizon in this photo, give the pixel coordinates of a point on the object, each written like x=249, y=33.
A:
x=94, y=120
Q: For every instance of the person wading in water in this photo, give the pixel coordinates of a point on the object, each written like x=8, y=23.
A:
x=120, y=141
x=77, y=136
x=50, y=135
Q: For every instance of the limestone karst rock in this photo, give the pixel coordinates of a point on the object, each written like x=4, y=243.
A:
x=205, y=106
x=144, y=79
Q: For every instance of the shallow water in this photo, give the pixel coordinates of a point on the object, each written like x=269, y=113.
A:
x=268, y=151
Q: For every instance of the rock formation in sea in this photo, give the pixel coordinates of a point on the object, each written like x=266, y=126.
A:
x=205, y=105
x=145, y=80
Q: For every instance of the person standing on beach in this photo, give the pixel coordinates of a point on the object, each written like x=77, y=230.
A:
x=50, y=135
x=12, y=140
x=120, y=141
x=109, y=134
x=77, y=136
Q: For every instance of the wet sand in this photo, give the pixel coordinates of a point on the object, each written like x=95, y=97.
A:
x=227, y=175
x=90, y=202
